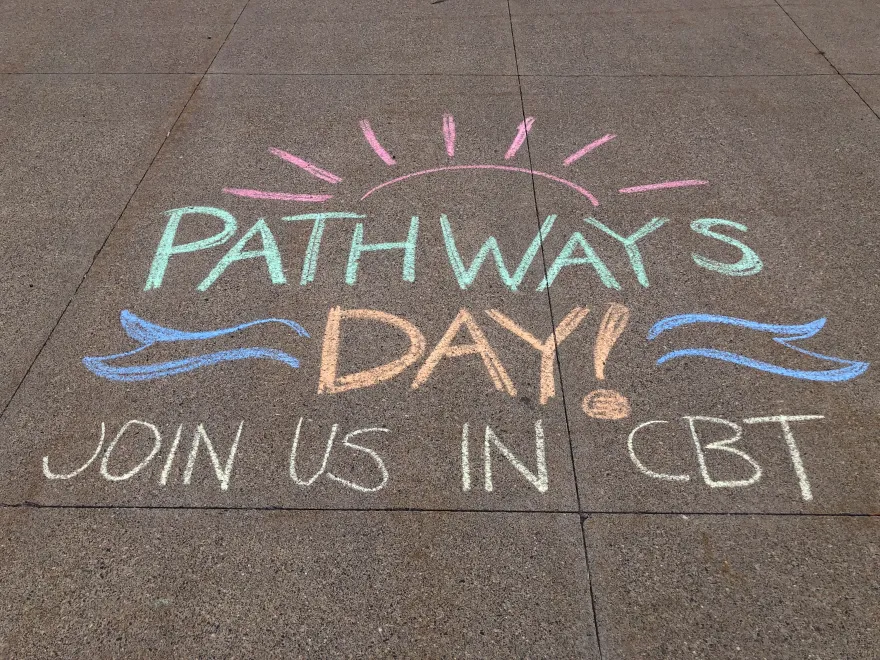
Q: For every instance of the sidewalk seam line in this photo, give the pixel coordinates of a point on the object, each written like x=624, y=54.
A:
x=583, y=515
x=116, y=222
x=830, y=63
x=556, y=345
x=446, y=74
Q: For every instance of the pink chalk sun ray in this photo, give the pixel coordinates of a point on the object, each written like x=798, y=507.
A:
x=449, y=134
x=663, y=185
x=373, y=141
x=580, y=153
x=521, y=132
x=314, y=170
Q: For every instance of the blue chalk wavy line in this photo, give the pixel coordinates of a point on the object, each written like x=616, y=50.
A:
x=148, y=333
x=786, y=335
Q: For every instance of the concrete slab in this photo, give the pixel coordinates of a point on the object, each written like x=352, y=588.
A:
x=846, y=31
x=158, y=36
x=722, y=586
x=366, y=36
x=296, y=439
x=807, y=214
x=73, y=149
x=224, y=141
x=573, y=41
x=196, y=584
x=868, y=88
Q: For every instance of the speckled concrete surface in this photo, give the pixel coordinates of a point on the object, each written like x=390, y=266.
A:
x=227, y=430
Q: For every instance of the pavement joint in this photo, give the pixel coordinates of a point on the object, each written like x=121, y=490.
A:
x=355, y=74
x=596, y=630
x=115, y=223
x=830, y=63
x=583, y=514
x=85, y=274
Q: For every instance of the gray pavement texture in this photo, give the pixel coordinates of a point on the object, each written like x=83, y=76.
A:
x=578, y=362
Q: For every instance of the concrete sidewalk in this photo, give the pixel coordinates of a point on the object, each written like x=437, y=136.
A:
x=465, y=328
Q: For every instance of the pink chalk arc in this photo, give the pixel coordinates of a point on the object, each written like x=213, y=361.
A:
x=503, y=168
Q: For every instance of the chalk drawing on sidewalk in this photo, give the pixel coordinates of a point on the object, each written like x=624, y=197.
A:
x=784, y=334
x=723, y=448
x=148, y=334
x=449, y=138
x=597, y=402
x=502, y=168
x=604, y=403
x=583, y=151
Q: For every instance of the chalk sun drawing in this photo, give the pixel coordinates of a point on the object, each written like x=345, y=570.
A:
x=449, y=138
x=148, y=334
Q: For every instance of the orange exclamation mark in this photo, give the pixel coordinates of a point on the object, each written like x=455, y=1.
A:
x=607, y=404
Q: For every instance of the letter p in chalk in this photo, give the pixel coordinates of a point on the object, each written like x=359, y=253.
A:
x=167, y=248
